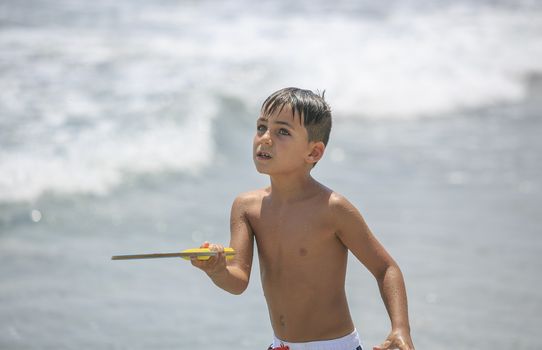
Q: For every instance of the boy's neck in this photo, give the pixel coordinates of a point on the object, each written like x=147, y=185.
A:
x=291, y=188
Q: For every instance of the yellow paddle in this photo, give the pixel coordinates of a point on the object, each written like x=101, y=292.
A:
x=200, y=253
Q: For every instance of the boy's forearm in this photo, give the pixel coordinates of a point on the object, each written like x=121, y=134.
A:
x=231, y=279
x=393, y=292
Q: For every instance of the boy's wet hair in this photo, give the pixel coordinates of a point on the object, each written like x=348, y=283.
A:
x=310, y=106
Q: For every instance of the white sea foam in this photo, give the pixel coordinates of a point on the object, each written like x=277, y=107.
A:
x=85, y=105
x=99, y=159
x=409, y=64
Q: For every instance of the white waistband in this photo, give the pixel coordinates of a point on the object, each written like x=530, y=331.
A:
x=348, y=342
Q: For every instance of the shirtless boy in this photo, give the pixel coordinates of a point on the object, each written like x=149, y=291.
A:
x=303, y=232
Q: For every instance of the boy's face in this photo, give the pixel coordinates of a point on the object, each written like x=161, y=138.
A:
x=281, y=143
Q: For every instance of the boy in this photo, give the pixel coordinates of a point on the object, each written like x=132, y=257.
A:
x=303, y=231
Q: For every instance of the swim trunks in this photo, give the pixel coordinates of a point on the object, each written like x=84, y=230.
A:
x=348, y=342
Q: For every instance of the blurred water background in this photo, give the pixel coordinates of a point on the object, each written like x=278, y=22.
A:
x=126, y=127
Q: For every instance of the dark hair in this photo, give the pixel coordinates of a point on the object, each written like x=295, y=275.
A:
x=310, y=106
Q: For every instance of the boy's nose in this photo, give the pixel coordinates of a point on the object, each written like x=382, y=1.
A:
x=266, y=138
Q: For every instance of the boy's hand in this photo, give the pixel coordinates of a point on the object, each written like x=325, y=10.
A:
x=215, y=264
x=397, y=340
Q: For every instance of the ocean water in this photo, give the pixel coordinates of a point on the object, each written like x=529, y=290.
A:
x=126, y=127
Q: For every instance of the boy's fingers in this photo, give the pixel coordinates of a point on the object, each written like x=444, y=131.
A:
x=216, y=247
x=220, y=252
x=383, y=346
x=388, y=345
x=403, y=345
x=212, y=261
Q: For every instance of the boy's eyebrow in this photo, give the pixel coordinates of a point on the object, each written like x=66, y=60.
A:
x=282, y=123
x=261, y=119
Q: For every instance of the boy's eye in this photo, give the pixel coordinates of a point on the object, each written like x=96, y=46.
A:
x=261, y=128
x=284, y=132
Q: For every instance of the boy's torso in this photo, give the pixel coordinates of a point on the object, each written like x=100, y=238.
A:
x=302, y=266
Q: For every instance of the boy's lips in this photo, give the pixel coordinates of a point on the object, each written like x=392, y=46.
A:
x=263, y=155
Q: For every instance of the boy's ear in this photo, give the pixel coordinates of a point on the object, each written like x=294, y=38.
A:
x=317, y=152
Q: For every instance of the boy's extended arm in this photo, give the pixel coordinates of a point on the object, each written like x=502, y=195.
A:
x=232, y=276
x=358, y=238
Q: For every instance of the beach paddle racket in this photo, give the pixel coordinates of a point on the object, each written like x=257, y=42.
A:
x=199, y=253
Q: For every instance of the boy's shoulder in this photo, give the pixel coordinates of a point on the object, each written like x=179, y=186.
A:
x=250, y=198
x=337, y=200
x=340, y=206
x=334, y=200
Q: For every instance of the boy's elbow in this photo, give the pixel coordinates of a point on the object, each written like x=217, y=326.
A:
x=235, y=281
x=391, y=270
x=238, y=290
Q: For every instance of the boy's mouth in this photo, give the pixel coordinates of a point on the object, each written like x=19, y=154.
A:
x=263, y=155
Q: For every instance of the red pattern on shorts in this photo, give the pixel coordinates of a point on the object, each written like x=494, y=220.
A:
x=281, y=347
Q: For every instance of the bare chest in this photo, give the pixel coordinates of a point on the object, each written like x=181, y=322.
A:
x=296, y=234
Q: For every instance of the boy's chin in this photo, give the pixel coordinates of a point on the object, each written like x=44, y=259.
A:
x=261, y=170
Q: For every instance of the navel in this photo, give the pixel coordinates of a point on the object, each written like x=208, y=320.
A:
x=281, y=320
x=303, y=251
